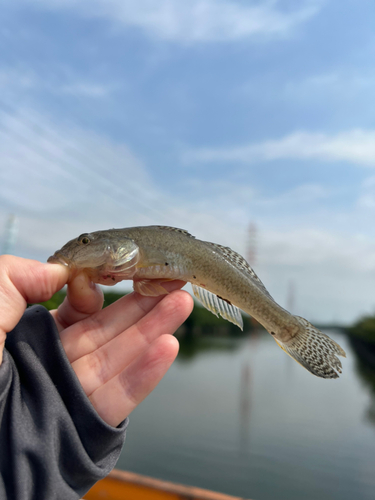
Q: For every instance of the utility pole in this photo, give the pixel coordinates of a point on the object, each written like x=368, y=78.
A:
x=10, y=234
x=251, y=249
x=251, y=257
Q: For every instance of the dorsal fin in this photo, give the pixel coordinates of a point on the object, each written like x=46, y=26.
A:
x=237, y=260
x=176, y=230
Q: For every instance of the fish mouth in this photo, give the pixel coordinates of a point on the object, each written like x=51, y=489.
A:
x=58, y=259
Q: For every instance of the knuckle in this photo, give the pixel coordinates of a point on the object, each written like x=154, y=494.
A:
x=93, y=330
x=90, y=325
x=128, y=388
x=99, y=364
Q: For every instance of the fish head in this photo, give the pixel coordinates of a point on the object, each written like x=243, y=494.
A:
x=105, y=258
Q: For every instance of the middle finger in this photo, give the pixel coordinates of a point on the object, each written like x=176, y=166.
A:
x=91, y=333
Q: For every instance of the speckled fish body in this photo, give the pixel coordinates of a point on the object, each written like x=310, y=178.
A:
x=221, y=279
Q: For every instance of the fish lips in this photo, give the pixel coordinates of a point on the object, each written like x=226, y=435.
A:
x=56, y=258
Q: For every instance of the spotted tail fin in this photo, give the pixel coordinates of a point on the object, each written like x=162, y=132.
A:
x=314, y=350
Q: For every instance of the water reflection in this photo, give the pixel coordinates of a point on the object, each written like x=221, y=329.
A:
x=246, y=386
x=245, y=406
x=239, y=416
x=192, y=346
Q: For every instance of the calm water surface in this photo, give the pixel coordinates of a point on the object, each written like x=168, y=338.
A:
x=244, y=419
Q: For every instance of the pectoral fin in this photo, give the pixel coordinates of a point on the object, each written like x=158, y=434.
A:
x=150, y=288
x=217, y=306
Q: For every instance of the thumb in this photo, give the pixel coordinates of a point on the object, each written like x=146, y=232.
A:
x=24, y=281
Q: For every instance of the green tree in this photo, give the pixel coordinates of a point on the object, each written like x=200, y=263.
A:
x=364, y=328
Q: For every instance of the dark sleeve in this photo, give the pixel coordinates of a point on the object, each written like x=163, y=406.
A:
x=53, y=444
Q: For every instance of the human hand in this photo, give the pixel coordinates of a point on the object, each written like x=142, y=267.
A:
x=119, y=353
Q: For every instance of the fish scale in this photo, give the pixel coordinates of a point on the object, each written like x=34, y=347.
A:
x=239, y=261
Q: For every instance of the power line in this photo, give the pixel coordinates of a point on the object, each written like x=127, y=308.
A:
x=71, y=151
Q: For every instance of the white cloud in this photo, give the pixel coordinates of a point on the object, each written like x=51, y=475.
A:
x=192, y=21
x=332, y=273
x=366, y=199
x=84, y=89
x=308, y=246
x=10, y=77
x=355, y=146
x=302, y=195
x=339, y=84
x=61, y=181
x=20, y=80
x=53, y=173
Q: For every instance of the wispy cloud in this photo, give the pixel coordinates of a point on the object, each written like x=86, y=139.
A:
x=366, y=199
x=332, y=272
x=355, y=146
x=340, y=82
x=56, y=171
x=350, y=89
x=62, y=181
x=194, y=20
x=12, y=77
x=21, y=79
x=84, y=89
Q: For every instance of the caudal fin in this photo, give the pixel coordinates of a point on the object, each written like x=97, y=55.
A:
x=314, y=350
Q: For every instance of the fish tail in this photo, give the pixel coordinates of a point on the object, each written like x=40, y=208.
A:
x=314, y=350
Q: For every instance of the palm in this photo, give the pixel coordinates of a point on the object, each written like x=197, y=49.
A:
x=120, y=353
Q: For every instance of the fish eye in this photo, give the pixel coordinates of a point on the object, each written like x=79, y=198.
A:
x=84, y=239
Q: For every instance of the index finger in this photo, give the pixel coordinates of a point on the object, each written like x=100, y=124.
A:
x=96, y=330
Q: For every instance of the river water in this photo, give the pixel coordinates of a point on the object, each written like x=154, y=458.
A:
x=241, y=417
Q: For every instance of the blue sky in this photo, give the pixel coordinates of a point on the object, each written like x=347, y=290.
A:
x=201, y=114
